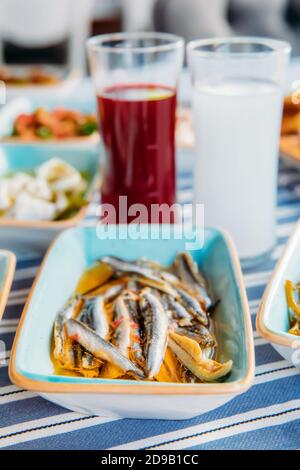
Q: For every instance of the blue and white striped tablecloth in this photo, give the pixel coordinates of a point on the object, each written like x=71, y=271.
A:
x=266, y=417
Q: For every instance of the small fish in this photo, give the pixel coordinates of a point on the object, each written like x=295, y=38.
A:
x=85, y=316
x=121, y=323
x=94, y=314
x=158, y=284
x=100, y=348
x=99, y=317
x=129, y=267
x=130, y=301
x=179, y=314
x=112, y=292
x=156, y=326
x=68, y=359
x=170, y=278
x=193, y=306
x=109, y=291
x=190, y=275
x=58, y=338
x=70, y=310
x=199, y=333
x=205, y=333
x=127, y=336
x=78, y=351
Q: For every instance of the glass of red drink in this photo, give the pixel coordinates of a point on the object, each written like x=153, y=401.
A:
x=136, y=77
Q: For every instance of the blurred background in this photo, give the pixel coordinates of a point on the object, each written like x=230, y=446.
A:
x=54, y=32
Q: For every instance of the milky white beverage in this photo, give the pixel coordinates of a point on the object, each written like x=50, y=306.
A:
x=237, y=125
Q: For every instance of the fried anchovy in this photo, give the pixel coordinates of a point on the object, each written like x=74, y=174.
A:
x=94, y=314
x=193, y=306
x=112, y=292
x=99, y=318
x=108, y=293
x=68, y=311
x=122, y=332
x=85, y=315
x=159, y=285
x=190, y=275
x=199, y=333
x=179, y=313
x=129, y=267
x=130, y=301
x=127, y=330
x=100, y=348
x=156, y=326
x=169, y=277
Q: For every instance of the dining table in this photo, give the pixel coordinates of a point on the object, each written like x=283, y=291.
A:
x=267, y=416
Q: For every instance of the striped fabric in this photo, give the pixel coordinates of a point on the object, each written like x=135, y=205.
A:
x=266, y=417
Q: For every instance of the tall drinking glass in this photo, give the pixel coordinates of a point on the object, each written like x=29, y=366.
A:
x=237, y=103
x=136, y=77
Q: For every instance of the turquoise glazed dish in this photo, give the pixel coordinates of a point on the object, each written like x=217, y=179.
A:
x=272, y=319
x=7, y=270
x=38, y=234
x=70, y=254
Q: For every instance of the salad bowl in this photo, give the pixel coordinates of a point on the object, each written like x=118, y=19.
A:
x=24, y=106
x=35, y=235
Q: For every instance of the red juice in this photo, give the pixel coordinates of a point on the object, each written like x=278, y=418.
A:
x=137, y=123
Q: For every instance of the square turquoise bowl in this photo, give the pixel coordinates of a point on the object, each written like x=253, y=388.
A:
x=70, y=254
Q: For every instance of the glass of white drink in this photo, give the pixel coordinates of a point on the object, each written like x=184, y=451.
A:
x=237, y=102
